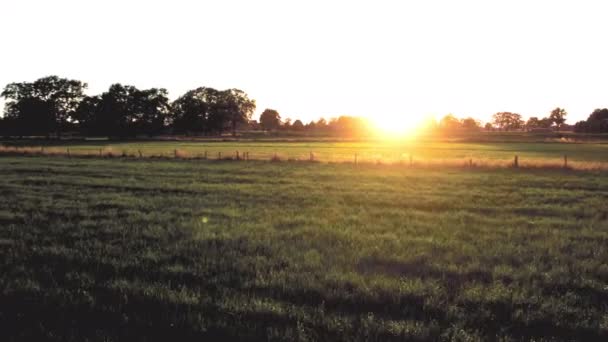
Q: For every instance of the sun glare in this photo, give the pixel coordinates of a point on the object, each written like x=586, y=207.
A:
x=395, y=126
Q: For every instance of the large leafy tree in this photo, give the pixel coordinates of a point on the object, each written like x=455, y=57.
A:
x=558, y=117
x=87, y=115
x=151, y=110
x=532, y=123
x=43, y=106
x=30, y=116
x=599, y=115
x=507, y=121
x=116, y=113
x=218, y=108
x=124, y=111
x=597, y=122
x=239, y=107
x=207, y=110
x=297, y=125
x=196, y=111
x=270, y=119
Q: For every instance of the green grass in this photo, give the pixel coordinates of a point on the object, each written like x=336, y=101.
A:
x=372, y=151
x=119, y=249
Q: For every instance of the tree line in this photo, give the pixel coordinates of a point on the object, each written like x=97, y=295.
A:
x=52, y=106
x=501, y=121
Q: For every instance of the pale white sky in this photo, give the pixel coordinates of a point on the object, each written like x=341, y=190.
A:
x=325, y=58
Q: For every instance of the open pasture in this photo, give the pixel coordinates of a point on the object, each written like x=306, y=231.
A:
x=122, y=249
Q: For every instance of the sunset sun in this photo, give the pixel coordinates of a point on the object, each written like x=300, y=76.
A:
x=392, y=125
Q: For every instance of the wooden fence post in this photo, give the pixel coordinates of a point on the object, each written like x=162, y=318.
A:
x=237, y=156
x=516, y=161
x=205, y=155
x=69, y=156
x=355, y=159
x=312, y=156
x=470, y=162
x=219, y=156
x=140, y=154
x=565, y=161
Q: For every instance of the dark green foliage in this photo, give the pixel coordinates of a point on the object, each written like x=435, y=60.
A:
x=507, y=121
x=52, y=105
x=270, y=119
x=42, y=107
x=207, y=110
x=558, y=117
x=163, y=250
x=596, y=123
x=124, y=111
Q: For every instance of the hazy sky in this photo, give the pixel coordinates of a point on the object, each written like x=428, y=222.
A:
x=325, y=58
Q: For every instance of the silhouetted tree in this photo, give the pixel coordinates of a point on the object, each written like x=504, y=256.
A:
x=545, y=123
x=87, y=115
x=116, y=113
x=219, y=108
x=532, y=123
x=297, y=125
x=270, y=119
x=599, y=115
x=597, y=122
x=311, y=125
x=558, y=117
x=43, y=106
x=191, y=111
x=239, y=107
x=286, y=124
x=151, y=111
x=507, y=121
x=124, y=111
x=207, y=110
x=30, y=116
x=321, y=124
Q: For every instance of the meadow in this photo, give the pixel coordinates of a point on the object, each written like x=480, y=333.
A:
x=101, y=249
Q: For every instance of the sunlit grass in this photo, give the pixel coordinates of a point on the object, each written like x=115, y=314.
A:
x=162, y=249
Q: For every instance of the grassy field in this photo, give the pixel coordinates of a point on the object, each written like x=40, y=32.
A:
x=128, y=249
x=372, y=151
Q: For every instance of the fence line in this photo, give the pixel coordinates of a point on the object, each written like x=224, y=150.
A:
x=355, y=158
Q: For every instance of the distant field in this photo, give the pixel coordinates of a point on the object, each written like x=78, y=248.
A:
x=386, y=152
x=127, y=249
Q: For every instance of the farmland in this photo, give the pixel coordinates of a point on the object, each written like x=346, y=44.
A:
x=109, y=249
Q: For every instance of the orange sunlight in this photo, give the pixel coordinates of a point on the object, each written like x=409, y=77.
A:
x=397, y=126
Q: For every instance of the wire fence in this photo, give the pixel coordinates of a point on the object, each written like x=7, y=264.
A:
x=355, y=158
